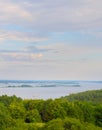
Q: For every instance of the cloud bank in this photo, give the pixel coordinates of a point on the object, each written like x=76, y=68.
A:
x=51, y=39
x=52, y=15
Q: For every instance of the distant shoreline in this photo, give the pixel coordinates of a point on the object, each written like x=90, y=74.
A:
x=46, y=89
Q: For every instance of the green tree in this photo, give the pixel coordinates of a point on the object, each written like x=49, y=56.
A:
x=33, y=104
x=98, y=115
x=17, y=110
x=7, y=100
x=52, y=109
x=55, y=124
x=5, y=119
x=32, y=116
x=87, y=111
x=72, y=124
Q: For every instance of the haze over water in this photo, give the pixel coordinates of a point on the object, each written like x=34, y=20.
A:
x=44, y=89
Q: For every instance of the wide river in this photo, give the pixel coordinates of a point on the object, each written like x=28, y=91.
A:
x=45, y=89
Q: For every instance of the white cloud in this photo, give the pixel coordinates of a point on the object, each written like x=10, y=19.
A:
x=13, y=13
x=65, y=15
x=52, y=15
x=21, y=36
x=56, y=54
x=19, y=56
x=96, y=33
x=66, y=52
x=32, y=20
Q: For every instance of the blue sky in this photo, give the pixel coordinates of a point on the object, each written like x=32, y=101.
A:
x=51, y=39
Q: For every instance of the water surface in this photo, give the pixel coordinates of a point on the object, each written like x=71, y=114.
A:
x=45, y=89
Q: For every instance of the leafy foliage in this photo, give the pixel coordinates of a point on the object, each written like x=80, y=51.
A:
x=75, y=112
x=33, y=116
x=94, y=96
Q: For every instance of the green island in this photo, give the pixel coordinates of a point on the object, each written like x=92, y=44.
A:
x=82, y=111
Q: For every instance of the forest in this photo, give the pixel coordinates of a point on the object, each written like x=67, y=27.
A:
x=82, y=111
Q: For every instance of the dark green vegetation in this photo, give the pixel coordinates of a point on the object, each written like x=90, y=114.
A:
x=81, y=111
x=94, y=96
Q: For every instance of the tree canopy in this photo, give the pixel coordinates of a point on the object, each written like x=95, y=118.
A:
x=81, y=111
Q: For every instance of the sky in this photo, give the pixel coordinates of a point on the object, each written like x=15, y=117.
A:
x=51, y=39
